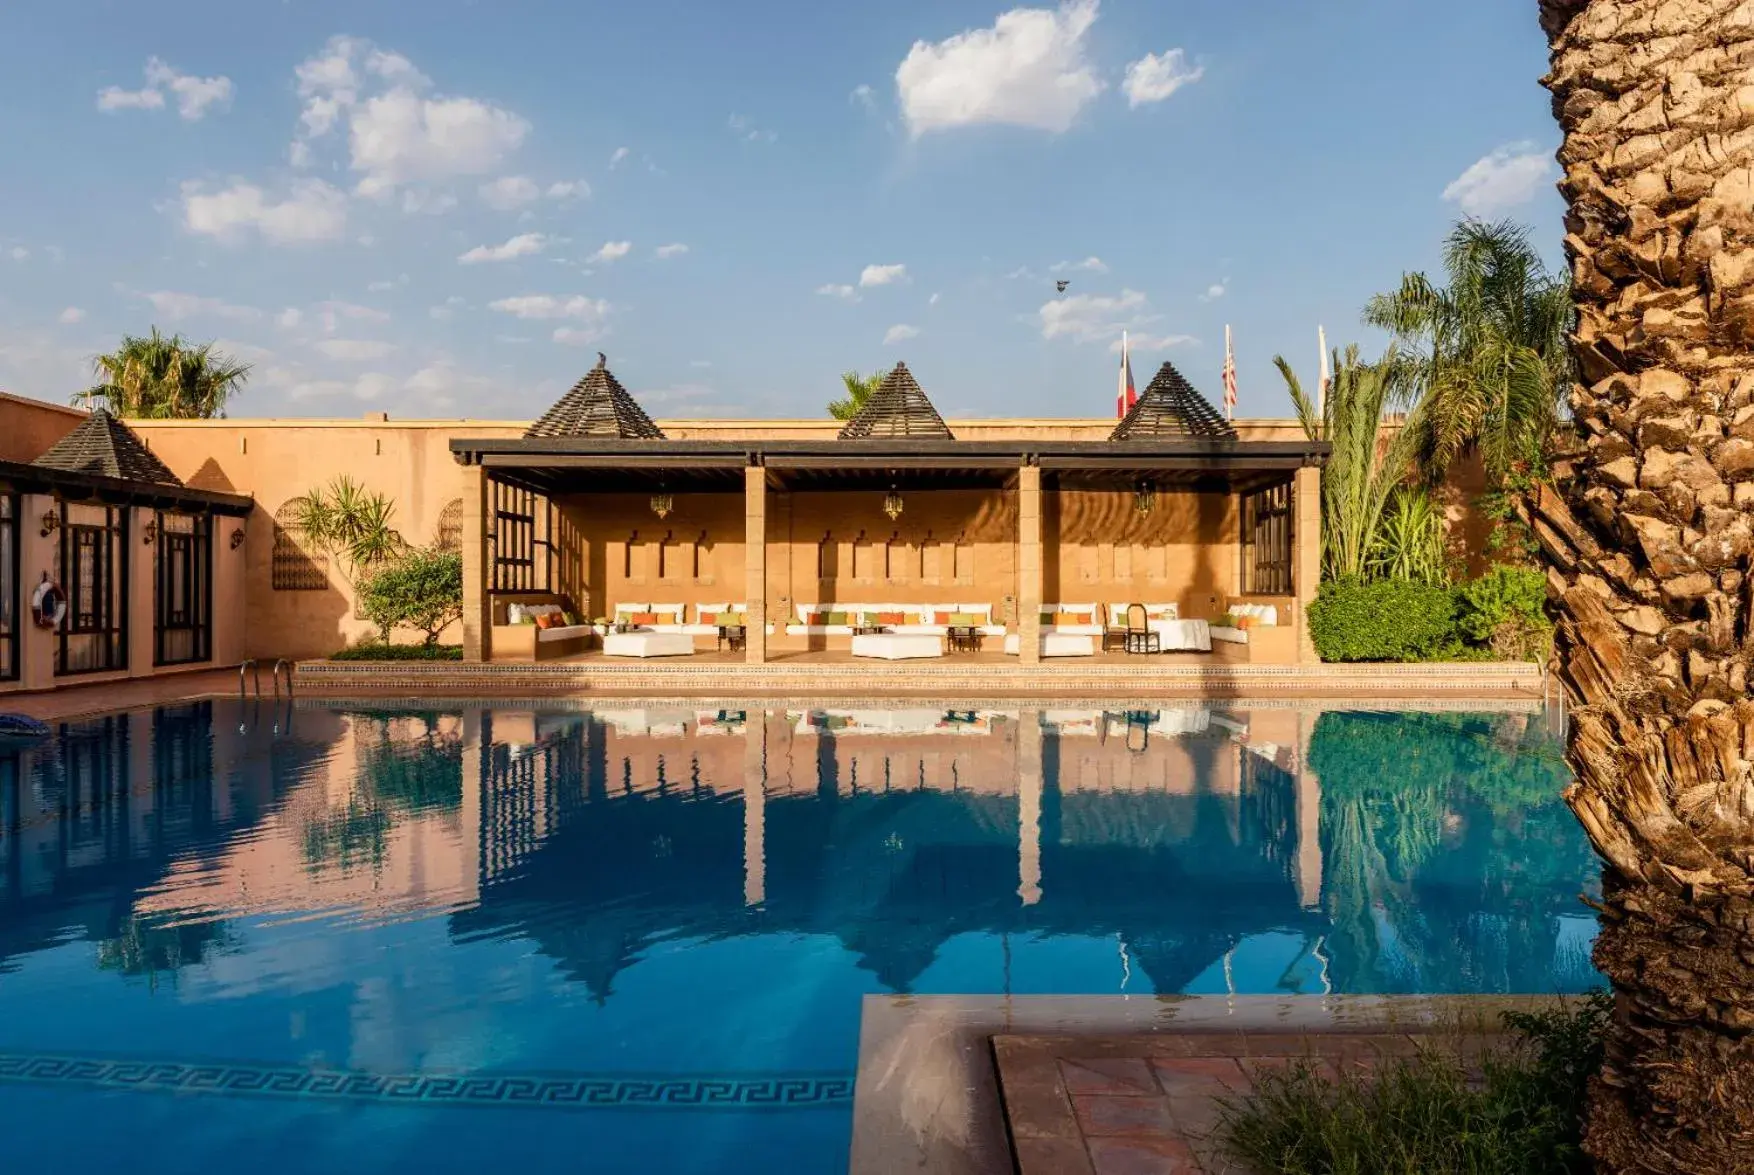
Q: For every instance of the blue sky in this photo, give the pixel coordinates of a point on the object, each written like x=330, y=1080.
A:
x=447, y=209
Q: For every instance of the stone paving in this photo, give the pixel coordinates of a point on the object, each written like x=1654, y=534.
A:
x=1149, y=1105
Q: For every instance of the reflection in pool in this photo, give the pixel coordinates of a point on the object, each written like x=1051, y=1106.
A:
x=353, y=940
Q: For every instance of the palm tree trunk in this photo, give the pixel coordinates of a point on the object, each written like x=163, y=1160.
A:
x=1648, y=542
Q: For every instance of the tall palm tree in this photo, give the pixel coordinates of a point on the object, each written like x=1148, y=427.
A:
x=1488, y=348
x=157, y=377
x=1362, y=475
x=859, y=389
x=1648, y=534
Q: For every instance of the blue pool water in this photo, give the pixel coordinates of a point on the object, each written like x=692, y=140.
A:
x=241, y=936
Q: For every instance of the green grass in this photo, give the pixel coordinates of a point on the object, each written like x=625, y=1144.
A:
x=375, y=652
x=1520, y=1112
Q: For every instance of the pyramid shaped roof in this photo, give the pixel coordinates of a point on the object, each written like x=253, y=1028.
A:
x=1171, y=407
x=105, y=447
x=597, y=406
x=898, y=408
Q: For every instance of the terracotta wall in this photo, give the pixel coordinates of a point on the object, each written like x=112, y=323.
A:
x=278, y=460
x=1101, y=550
x=28, y=428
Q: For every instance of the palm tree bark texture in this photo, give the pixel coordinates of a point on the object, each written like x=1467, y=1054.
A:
x=1648, y=538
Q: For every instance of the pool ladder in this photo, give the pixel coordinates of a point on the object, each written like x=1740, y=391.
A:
x=253, y=666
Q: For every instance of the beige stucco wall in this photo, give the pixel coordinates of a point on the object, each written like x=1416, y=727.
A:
x=28, y=428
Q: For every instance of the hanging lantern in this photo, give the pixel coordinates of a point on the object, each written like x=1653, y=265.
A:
x=662, y=504
x=892, y=504
x=1145, y=497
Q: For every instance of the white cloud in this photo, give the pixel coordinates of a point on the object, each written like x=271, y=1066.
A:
x=933, y=300
x=194, y=95
x=547, y=306
x=400, y=134
x=749, y=132
x=1089, y=264
x=665, y=252
x=1150, y=342
x=18, y=252
x=621, y=153
x=865, y=96
x=379, y=287
x=1029, y=69
x=510, y=192
x=1508, y=177
x=522, y=245
x=838, y=291
x=289, y=318
x=70, y=316
x=611, y=251
x=331, y=314
x=1156, y=76
x=900, y=333
x=882, y=275
x=700, y=363
x=1215, y=291
x=311, y=211
x=174, y=306
x=567, y=189
x=355, y=350
x=443, y=313
x=427, y=201
x=1091, y=318
x=577, y=336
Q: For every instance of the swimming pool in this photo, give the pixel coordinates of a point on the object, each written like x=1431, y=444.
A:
x=636, y=939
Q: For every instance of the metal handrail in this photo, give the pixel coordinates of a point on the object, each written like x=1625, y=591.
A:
x=277, y=664
x=250, y=664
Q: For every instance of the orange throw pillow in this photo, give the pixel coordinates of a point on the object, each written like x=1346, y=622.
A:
x=891, y=618
x=644, y=618
x=546, y=620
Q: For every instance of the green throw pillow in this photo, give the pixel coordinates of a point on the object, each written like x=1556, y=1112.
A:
x=833, y=618
x=965, y=618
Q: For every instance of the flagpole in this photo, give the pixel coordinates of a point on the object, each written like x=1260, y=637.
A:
x=1229, y=377
x=1322, y=379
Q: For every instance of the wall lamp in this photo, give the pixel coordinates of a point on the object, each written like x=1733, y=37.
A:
x=150, y=534
x=51, y=522
x=237, y=537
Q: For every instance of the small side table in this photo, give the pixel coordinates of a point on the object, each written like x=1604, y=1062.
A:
x=869, y=630
x=964, y=638
x=734, y=636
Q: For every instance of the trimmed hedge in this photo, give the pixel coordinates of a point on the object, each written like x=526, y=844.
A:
x=1500, y=616
x=400, y=653
x=1384, y=620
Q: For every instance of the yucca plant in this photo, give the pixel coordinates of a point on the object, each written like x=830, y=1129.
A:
x=1365, y=470
x=351, y=525
x=1410, y=539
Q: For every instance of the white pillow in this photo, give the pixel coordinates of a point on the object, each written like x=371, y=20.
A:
x=514, y=614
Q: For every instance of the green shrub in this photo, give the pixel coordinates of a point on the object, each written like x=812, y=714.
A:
x=1430, y=1115
x=421, y=589
x=1505, y=611
x=1386, y=620
x=382, y=652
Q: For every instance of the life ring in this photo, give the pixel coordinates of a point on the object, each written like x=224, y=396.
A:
x=48, y=604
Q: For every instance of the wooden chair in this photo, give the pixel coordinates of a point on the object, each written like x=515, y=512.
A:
x=1140, y=637
x=1113, y=636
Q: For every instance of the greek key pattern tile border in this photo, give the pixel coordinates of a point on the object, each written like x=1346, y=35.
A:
x=534, y=1090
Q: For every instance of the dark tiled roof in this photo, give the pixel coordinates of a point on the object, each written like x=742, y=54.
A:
x=104, y=446
x=898, y=408
x=597, y=406
x=1171, y=407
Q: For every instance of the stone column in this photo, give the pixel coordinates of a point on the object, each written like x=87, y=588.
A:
x=477, y=616
x=1309, y=820
x=141, y=604
x=754, y=808
x=1306, y=554
x=1029, y=559
x=755, y=563
x=1029, y=785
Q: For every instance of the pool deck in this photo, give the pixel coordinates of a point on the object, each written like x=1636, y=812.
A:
x=1110, y=1085
x=981, y=675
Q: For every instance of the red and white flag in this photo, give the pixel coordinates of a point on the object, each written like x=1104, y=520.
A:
x=1229, y=378
x=1126, y=397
